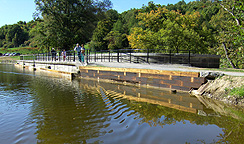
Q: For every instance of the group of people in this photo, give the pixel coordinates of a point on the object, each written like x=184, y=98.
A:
x=55, y=55
x=80, y=52
x=79, y=49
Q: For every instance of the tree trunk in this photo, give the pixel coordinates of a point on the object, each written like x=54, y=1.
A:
x=227, y=56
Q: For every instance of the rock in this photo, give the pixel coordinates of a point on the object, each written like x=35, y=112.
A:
x=211, y=75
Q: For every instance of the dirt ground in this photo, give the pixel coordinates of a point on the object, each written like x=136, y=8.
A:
x=218, y=89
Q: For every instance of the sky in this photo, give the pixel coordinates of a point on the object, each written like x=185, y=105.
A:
x=12, y=11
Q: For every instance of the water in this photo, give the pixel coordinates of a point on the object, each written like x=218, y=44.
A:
x=36, y=108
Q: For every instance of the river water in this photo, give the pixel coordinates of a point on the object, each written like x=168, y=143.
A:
x=37, y=108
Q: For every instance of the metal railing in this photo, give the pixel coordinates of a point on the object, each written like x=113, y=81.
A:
x=121, y=55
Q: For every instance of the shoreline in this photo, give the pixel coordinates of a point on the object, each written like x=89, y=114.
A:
x=215, y=88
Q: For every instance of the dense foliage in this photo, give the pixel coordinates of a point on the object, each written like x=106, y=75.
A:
x=204, y=27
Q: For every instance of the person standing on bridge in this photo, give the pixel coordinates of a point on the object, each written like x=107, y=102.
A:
x=82, y=53
x=64, y=54
x=53, y=54
x=78, y=49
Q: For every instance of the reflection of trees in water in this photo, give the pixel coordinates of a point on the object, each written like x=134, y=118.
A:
x=65, y=114
x=69, y=112
x=156, y=115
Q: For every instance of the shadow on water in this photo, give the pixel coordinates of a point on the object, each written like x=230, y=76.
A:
x=43, y=109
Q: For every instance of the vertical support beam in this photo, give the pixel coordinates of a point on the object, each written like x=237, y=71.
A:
x=130, y=56
x=189, y=57
x=117, y=55
x=109, y=56
x=147, y=55
x=101, y=56
x=74, y=56
x=170, y=61
x=87, y=56
x=95, y=57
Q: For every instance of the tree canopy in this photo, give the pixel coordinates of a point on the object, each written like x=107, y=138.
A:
x=205, y=27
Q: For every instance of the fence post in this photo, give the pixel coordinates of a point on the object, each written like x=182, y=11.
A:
x=101, y=56
x=147, y=55
x=33, y=60
x=170, y=57
x=189, y=57
x=117, y=55
x=87, y=56
x=59, y=56
x=109, y=56
x=130, y=56
x=95, y=57
x=74, y=57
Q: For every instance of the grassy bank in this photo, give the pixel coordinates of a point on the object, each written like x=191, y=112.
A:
x=21, y=50
x=9, y=58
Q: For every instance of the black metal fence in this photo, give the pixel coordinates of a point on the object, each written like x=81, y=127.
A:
x=121, y=55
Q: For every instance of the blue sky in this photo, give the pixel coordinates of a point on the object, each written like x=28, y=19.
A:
x=12, y=11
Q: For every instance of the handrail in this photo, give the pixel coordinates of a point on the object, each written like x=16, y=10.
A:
x=120, y=55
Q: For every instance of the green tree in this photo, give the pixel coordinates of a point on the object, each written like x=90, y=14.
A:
x=170, y=30
x=228, y=23
x=67, y=22
x=116, y=40
x=101, y=31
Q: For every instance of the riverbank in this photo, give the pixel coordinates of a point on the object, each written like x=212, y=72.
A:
x=222, y=85
x=229, y=89
x=221, y=88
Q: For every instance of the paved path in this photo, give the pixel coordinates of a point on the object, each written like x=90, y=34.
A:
x=169, y=67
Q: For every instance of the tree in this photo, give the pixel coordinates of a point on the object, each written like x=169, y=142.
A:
x=229, y=23
x=67, y=22
x=101, y=31
x=116, y=40
x=170, y=30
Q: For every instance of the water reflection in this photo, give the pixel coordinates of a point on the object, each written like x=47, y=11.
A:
x=35, y=108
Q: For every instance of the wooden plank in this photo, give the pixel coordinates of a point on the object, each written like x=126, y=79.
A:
x=163, y=72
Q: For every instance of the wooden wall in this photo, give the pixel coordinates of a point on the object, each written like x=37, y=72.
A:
x=176, y=80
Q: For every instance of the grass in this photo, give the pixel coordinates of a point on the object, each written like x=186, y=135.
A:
x=21, y=50
x=239, y=91
x=223, y=69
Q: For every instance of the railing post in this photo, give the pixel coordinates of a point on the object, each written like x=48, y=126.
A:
x=189, y=57
x=87, y=56
x=59, y=55
x=33, y=60
x=95, y=57
x=147, y=55
x=130, y=56
x=101, y=56
x=74, y=57
x=109, y=56
x=68, y=55
x=170, y=61
x=117, y=55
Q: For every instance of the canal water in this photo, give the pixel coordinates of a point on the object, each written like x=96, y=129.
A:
x=37, y=108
